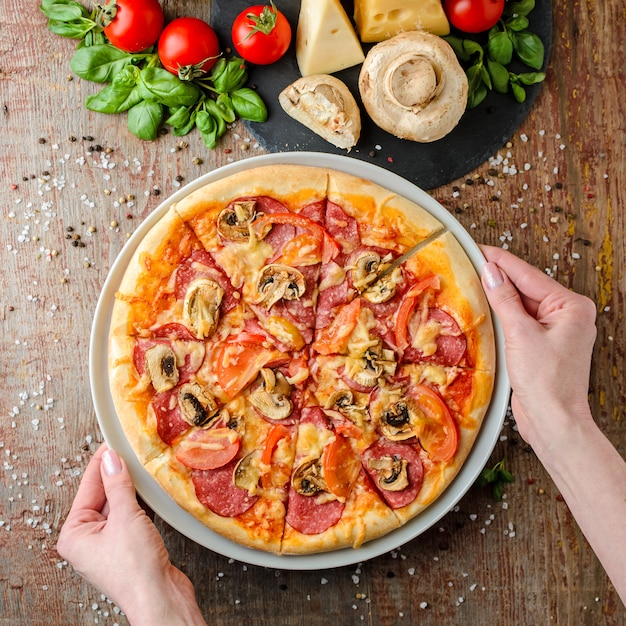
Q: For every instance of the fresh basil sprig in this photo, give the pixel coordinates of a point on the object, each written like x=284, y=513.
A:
x=487, y=63
x=496, y=476
x=152, y=96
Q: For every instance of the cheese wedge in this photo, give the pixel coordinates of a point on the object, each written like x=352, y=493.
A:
x=325, y=39
x=379, y=20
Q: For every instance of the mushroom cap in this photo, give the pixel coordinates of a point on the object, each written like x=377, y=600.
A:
x=325, y=105
x=413, y=86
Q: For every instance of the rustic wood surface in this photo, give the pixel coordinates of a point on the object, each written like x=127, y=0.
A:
x=556, y=196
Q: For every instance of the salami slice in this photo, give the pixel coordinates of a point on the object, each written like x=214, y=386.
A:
x=216, y=490
x=310, y=517
x=451, y=342
x=415, y=469
x=170, y=422
x=342, y=227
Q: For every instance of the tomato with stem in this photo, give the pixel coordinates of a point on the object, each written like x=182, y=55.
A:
x=132, y=25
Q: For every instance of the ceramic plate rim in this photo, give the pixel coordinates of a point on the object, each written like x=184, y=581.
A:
x=185, y=523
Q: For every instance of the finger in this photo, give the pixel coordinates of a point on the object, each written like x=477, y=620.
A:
x=118, y=484
x=531, y=282
x=505, y=299
x=90, y=496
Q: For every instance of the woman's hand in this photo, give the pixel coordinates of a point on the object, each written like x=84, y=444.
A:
x=110, y=541
x=549, y=335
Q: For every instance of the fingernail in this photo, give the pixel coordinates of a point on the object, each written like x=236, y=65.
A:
x=111, y=462
x=492, y=275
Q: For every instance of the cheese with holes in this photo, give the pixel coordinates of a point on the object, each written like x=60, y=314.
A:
x=379, y=20
x=325, y=39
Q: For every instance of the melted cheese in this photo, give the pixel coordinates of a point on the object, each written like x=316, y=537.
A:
x=425, y=337
x=378, y=20
x=325, y=39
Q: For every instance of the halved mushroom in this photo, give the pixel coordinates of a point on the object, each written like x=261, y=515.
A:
x=400, y=420
x=279, y=282
x=201, y=307
x=270, y=395
x=247, y=472
x=307, y=479
x=384, y=288
x=393, y=474
x=367, y=369
x=233, y=223
x=325, y=105
x=161, y=367
x=413, y=86
x=197, y=405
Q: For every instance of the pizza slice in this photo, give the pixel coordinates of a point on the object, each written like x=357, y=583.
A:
x=332, y=503
x=270, y=240
x=233, y=475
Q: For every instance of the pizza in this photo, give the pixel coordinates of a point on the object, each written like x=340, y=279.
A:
x=301, y=358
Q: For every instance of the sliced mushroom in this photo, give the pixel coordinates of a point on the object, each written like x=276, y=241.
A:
x=233, y=223
x=161, y=367
x=201, y=307
x=270, y=395
x=384, y=288
x=197, y=405
x=393, y=474
x=367, y=369
x=325, y=105
x=307, y=478
x=343, y=401
x=400, y=420
x=366, y=269
x=247, y=472
x=279, y=282
x=413, y=86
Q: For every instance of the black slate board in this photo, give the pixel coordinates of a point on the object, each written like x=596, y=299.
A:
x=480, y=134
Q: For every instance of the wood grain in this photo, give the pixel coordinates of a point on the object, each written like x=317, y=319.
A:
x=555, y=196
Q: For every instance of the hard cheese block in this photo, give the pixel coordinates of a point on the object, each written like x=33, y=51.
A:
x=325, y=39
x=378, y=20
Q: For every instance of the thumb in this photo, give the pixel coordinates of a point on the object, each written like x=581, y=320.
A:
x=503, y=297
x=118, y=484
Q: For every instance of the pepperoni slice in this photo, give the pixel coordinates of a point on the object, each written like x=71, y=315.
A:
x=216, y=490
x=415, y=469
x=170, y=422
x=310, y=517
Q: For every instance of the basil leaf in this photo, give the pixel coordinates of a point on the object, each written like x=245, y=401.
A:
x=159, y=85
x=99, y=64
x=63, y=11
x=248, y=105
x=474, y=77
x=180, y=131
x=477, y=95
x=232, y=75
x=471, y=47
x=500, y=46
x=144, y=119
x=519, y=93
x=76, y=29
x=113, y=99
x=517, y=23
x=522, y=7
x=207, y=126
x=210, y=106
x=486, y=78
x=499, y=76
x=531, y=78
x=179, y=117
x=127, y=77
x=529, y=49
x=225, y=107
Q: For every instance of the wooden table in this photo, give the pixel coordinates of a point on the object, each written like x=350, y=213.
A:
x=74, y=186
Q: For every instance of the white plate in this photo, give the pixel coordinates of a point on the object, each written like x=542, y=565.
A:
x=185, y=523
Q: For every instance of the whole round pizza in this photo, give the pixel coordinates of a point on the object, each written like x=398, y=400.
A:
x=300, y=358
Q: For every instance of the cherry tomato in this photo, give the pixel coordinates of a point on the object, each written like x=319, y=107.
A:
x=261, y=34
x=341, y=466
x=473, y=16
x=132, y=25
x=188, y=47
